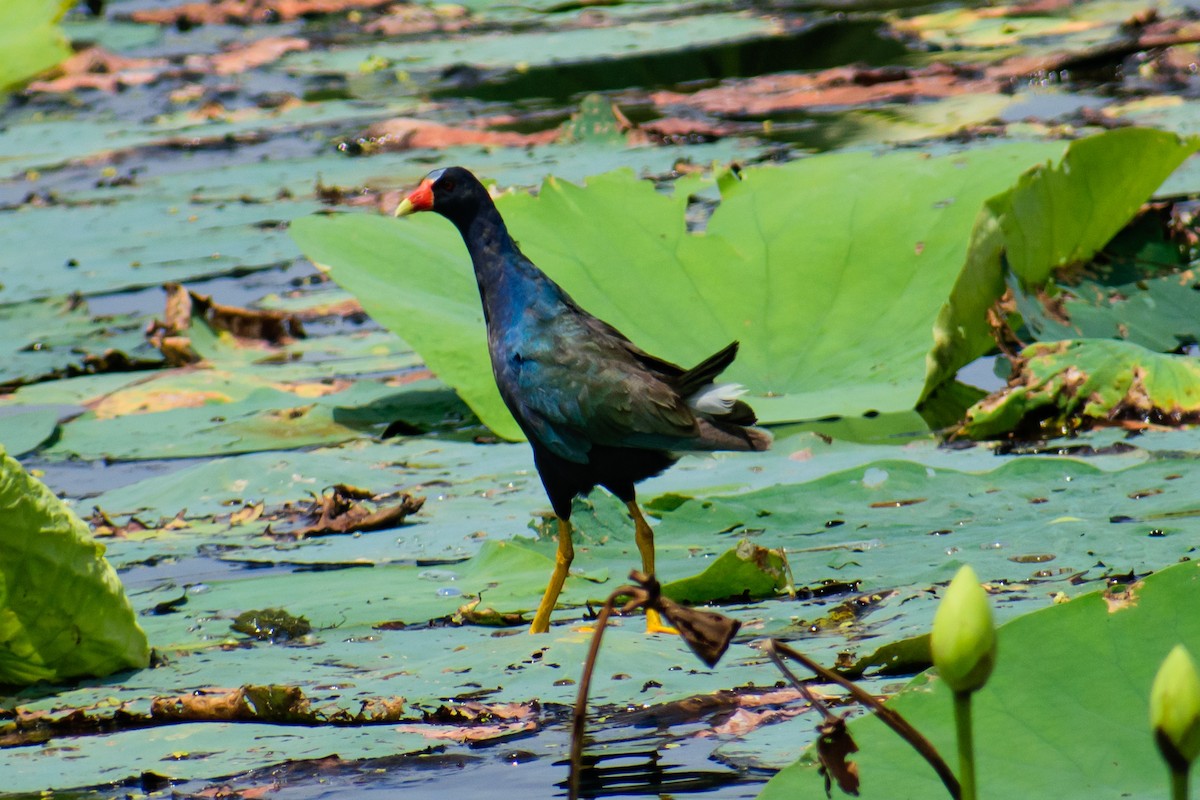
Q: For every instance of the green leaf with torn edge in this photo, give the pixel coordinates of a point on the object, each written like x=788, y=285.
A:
x=63, y=611
x=1093, y=381
x=745, y=571
x=1055, y=216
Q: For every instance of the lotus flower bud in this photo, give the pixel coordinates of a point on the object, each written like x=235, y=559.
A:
x=964, y=637
x=1175, y=708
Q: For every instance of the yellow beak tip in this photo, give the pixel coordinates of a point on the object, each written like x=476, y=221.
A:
x=405, y=208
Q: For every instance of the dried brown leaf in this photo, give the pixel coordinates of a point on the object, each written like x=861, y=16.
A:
x=240, y=58
x=340, y=510
x=834, y=744
x=475, y=733
x=406, y=133
x=96, y=68
x=245, y=12
x=404, y=20
x=840, y=86
x=275, y=327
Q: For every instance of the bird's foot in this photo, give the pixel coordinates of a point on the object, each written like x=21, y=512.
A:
x=655, y=624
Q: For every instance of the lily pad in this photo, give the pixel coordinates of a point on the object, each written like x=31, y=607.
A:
x=22, y=430
x=198, y=750
x=746, y=571
x=263, y=418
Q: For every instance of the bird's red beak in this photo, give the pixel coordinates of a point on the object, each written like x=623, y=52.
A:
x=421, y=199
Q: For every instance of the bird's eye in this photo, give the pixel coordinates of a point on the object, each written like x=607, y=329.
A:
x=446, y=185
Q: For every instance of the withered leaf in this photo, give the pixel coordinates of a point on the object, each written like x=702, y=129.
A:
x=276, y=327
x=243, y=12
x=472, y=614
x=833, y=745
x=707, y=633
x=341, y=510
x=269, y=703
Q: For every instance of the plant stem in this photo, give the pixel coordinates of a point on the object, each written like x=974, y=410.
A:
x=886, y=715
x=966, y=744
x=1179, y=783
x=579, y=720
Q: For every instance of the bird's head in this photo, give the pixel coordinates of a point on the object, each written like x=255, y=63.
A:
x=452, y=192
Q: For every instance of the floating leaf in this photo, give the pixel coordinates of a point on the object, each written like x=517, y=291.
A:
x=23, y=430
x=747, y=571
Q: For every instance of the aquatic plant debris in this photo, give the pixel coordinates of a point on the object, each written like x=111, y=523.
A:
x=1061, y=386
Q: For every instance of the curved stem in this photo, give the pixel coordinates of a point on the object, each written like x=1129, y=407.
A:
x=966, y=744
x=886, y=715
x=579, y=719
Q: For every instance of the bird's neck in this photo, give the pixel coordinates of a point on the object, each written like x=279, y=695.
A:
x=509, y=283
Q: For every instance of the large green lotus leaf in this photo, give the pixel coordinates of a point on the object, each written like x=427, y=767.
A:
x=30, y=39
x=1094, y=380
x=63, y=611
x=1055, y=216
x=1109, y=175
x=1065, y=709
x=782, y=267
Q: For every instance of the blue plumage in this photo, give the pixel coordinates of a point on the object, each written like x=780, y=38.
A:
x=597, y=410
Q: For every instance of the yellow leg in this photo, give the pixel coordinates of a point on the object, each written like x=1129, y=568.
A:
x=562, y=564
x=644, y=536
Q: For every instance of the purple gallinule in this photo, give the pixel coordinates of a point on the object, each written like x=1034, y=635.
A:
x=597, y=410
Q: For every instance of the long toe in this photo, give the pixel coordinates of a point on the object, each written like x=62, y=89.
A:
x=655, y=624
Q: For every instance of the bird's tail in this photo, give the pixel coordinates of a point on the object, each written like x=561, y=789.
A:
x=717, y=434
x=719, y=401
x=696, y=378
